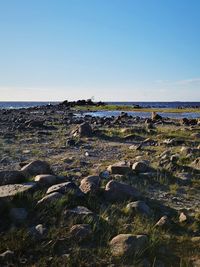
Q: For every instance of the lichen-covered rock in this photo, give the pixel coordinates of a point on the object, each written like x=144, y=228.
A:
x=11, y=190
x=90, y=184
x=128, y=244
x=139, y=207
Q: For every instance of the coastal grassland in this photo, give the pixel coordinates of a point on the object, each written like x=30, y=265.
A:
x=131, y=108
x=161, y=189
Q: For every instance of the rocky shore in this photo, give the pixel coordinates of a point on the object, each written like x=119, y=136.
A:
x=88, y=191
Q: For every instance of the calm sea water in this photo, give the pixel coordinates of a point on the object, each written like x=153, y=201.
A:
x=8, y=105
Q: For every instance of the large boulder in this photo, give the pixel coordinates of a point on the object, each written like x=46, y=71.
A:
x=139, y=207
x=11, y=177
x=116, y=191
x=51, y=198
x=119, y=168
x=46, y=179
x=9, y=191
x=83, y=130
x=140, y=166
x=65, y=188
x=124, y=245
x=90, y=184
x=36, y=167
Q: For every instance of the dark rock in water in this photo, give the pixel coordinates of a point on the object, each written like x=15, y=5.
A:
x=116, y=191
x=11, y=177
x=36, y=167
x=155, y=116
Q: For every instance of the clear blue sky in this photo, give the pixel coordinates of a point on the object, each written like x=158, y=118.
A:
x=110, y=49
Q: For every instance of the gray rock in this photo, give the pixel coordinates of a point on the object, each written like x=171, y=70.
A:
x=128, y=244
x=36, y=167
x=119, y=168
x=116, y=191
x=90, y=184
x=9, y=191
x=83, y=130
x=79, y=213
x=140, y=167
x=139, y=207
x=45, y=179
x=64, y=188
x=50, y=198
x=11, y=177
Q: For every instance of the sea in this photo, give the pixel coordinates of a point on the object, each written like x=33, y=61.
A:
x=26, y=104
x=164, y=105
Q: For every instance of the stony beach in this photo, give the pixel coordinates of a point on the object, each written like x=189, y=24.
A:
x=79, y=190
